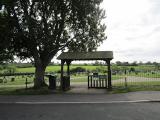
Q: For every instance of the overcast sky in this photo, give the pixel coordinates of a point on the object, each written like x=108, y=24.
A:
x=133, y=29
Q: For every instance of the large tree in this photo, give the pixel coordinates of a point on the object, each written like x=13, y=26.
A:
x=44, y=27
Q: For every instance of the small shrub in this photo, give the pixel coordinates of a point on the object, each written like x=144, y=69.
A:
x=12, y=79
x=77, y=70
x=1, y=80
x=132, y=69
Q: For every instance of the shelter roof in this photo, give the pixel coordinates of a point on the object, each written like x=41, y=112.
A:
x=97, y=55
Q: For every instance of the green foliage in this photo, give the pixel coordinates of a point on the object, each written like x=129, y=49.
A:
x=135, y=63
x=132, y=69
x=77, y=69
x=5, y=47
x=42, y=28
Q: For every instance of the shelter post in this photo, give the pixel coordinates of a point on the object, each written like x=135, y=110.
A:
x=67, y=82
x=109, y=75
x=62, y=64
x=68, y=67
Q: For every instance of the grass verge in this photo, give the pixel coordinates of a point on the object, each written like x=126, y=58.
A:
x=134, y=89
x=23, y=91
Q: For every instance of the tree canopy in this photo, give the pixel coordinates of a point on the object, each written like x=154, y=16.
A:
x=5, y=46
x=41, y=28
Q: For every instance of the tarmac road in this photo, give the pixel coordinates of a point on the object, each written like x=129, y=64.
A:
x=80, y=111
x=128, y=106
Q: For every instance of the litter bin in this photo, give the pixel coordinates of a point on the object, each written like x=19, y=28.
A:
x=66, y=82
x=52, y=82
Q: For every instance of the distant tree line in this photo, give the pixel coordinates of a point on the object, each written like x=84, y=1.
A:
x=135, y=63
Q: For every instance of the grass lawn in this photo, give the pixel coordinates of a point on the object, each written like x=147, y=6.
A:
x=23, y=91
x=116, y=77
x=147, y=75
x=57, y=68
x=79, y=79
x=137, y=84
x=20, y=80
x=135, y=89
x=45, y=90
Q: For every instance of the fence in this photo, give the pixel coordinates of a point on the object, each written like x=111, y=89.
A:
x=146, y=76
x=139, y=78
x=23, y=80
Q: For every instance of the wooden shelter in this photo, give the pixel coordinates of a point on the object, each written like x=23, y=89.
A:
x=68, y=57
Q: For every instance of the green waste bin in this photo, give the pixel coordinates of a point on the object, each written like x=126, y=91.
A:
x=66, y=82
x=52, y=82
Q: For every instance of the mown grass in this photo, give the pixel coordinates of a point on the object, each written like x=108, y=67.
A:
x=136, y=86
x=20, y=80
x=45, y=90
x=79, y=78
x=134, y=89
x=116, y=77
x=23, y=91
x=147, y=75
x=137, y=68
x=57, y=68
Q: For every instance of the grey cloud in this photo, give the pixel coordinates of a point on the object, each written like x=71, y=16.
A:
x=152, y=32
x=156, y=29
x=156, y=6
x=140, y=37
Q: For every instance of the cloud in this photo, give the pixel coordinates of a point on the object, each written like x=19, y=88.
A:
x=133, y=29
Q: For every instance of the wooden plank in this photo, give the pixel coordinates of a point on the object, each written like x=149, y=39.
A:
x=93, y=83
x=102, y=82
x=97, y=84
x=88, y=82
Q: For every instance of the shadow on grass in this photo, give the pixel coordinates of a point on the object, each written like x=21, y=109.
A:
x=46, y=91
x=23, y=91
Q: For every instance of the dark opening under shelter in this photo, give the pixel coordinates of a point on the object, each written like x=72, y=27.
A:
x=68, y=57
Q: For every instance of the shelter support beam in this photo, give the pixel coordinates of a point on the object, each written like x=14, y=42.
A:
x=68, y=67
x=62, y=64
x=68, y=62
x=109, y=75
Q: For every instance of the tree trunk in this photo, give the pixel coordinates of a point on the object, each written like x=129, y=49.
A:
x=39, y=76
x=41, y=62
